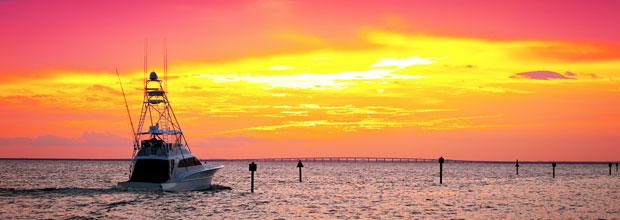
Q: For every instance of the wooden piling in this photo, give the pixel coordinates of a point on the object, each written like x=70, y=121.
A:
x=300, y=165
x=441, y=160
x=252, y=169
x=517, y=166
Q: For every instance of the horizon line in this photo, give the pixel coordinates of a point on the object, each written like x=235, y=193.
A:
x=344, y=159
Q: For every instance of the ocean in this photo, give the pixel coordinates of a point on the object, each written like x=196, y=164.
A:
x=85, y=189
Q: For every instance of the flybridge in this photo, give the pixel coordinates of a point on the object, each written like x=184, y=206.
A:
x=155, y=130
x=157, y=112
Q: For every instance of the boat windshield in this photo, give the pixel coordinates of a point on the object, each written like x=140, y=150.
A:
x=151, y=170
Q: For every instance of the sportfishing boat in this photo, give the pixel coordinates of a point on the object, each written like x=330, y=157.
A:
x=162, y=159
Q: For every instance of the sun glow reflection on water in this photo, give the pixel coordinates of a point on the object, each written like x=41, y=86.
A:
x=70, y=189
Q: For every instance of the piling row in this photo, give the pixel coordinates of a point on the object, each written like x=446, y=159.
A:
x=441, y=160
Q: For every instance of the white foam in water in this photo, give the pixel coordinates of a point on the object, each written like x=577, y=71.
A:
x=74, y=189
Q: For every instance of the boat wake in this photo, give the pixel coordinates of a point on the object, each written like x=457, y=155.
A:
x=8, y=193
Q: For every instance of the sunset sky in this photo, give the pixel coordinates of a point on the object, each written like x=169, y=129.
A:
x=476, y=80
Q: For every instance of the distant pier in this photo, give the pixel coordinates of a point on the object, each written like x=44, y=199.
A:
x=337, y=159
x=387, y=160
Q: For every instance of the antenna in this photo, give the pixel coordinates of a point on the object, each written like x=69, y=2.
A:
x=126, y=106
x=166, y=64
x=146, y=45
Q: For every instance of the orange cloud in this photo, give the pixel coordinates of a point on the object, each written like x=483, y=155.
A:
x=332, y=99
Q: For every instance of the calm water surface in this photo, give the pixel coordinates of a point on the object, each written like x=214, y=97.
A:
x=36, y=189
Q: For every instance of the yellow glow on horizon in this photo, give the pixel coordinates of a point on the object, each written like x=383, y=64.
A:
x=426, y=83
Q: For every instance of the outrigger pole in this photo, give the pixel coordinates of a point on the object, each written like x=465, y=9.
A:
x=133, y=131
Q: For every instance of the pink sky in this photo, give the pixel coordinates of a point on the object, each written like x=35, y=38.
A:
x=485, y=80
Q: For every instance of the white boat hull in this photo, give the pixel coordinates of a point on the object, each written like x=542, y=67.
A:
x=186, y=184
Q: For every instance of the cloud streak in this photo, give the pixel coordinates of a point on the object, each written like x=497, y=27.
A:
x=88, y=139
x=437, y=124
x=541, y=75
